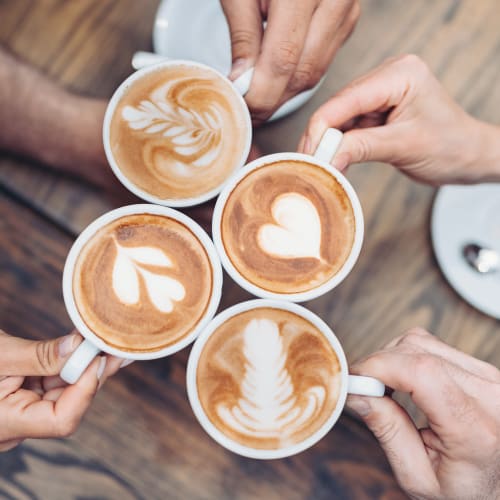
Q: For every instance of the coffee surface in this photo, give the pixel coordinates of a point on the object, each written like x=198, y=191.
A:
x=268, y=378
x=142, y=282
x=288, y=226
x=178, y=132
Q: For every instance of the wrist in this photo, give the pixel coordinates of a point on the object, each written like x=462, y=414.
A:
x=484, y=161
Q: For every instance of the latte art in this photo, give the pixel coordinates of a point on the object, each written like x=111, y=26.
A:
x=131, y=265
x=192, y=137
x=179, y=132
x=297, y=232
x=268, y=378
x=142, y=282
x=288, y=227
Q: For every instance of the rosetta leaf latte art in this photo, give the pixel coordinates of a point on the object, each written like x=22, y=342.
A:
x=162, y=290
x=191, y=134
x=268, y=406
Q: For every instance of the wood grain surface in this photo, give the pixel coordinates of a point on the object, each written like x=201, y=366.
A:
x=140, y=439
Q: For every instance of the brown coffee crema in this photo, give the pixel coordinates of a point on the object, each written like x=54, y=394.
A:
x=178, y=132
x=268, y=379
x=288, y=226
x=142, y=282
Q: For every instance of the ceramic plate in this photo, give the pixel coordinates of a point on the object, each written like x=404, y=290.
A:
x=461, y=215
x=197, y=30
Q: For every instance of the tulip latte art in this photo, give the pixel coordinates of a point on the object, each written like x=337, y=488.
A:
x=142, y=282
x=288, y=226
x=268, y=378
x=178, y=132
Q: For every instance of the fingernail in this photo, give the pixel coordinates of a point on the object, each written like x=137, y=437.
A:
x=238, y=67
x=126, y=362
x=340, y=162
x=66, y=345
x=359, y=404
x=102, y=367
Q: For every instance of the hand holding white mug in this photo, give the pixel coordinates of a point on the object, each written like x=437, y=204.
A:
x=400, y=114
x=293, y=53
x=458, y=455
x=34, y=401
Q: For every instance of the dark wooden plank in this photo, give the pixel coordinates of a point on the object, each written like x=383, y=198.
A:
x=86, y=45
x=140, y=439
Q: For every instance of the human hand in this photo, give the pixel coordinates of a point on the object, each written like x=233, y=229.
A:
x=34, y=401
x=294, y=51
x=458, y=455
x=400, y=114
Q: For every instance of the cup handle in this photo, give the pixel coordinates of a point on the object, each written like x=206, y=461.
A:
x=328, y=145
x=242, y=83
x=142, y=59
x=79, y=361
x=365, y=386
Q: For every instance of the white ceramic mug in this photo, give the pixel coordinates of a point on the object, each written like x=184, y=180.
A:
x=321, y=158
x=92, y=344
x=148, y=64
x=350, y=384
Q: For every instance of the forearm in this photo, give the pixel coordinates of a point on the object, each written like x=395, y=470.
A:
x=43, y=121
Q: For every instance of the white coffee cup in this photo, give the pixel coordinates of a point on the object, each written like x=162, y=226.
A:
x=350, y=384
x=321, y=158
x=148, y=64
x=92, y=344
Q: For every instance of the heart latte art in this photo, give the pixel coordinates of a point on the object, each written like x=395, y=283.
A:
x=268, y=378
x=142, y=282
x=288, y=226
x=178, y=132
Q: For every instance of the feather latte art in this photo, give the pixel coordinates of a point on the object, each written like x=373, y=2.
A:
x=179, y=132
x=268, y=378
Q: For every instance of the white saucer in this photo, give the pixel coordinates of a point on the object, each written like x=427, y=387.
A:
x=197, y=30
x=461, y=215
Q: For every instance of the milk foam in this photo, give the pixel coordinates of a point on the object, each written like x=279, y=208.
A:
x=162, y=290
x=297, y=232
x=268, y=378
x=142, y=282
x=191, y=134
x=268, y=406
x=179, y=132
x=288, y=226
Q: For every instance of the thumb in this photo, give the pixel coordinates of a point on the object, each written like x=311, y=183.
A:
x=368, y=144
x=400, y=440
x=22, y=357
x=245, y=28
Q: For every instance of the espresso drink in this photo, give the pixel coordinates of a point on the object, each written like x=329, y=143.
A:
x=288, y=227
x=268, y=378
x=179, y=132
x=142, y=282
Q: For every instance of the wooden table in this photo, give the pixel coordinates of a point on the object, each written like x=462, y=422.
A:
x=140, y=439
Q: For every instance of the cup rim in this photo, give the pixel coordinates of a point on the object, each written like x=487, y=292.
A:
x=256, y=290
x=125, y=181
x=218, y=435
x=89, y=232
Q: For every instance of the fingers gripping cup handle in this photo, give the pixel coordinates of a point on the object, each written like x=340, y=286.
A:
x=79, y=361
x=328, y=145
x=142, y=59
x=365, y=386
